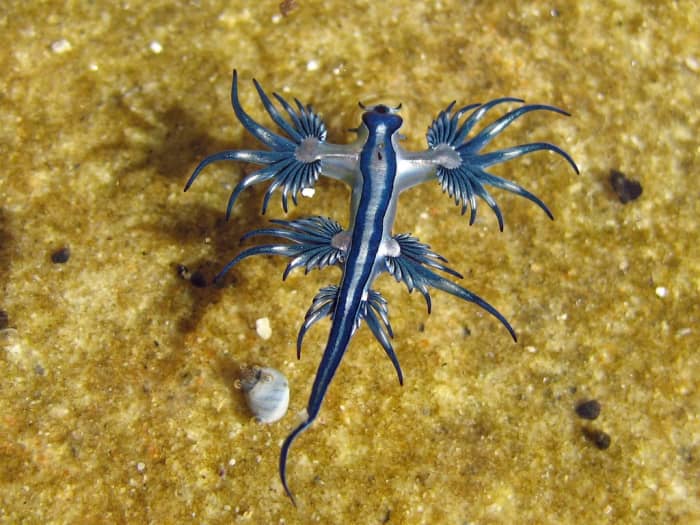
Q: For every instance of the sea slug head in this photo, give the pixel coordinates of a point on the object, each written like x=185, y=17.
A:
x=381, y=115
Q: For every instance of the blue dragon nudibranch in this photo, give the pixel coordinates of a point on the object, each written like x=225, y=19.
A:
x=377, y=169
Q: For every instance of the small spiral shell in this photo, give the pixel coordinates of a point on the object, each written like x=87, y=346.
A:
x=266, y=391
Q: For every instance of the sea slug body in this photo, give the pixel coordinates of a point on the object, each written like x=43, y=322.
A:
x=377, y=169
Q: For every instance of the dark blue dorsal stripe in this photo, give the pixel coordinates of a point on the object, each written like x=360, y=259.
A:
x=378, y=170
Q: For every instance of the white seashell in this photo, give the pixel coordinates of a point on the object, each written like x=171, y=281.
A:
x=266, y=391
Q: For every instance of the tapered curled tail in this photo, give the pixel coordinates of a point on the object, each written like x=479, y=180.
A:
x=342, y=330
x=285, y=452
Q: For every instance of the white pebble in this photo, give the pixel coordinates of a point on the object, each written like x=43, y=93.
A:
x=61, y=46
x=692, y=63
x=661, y=291
x=263, y=328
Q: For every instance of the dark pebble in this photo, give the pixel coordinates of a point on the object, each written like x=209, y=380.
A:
x=195, y=278
x=61, y=256
x=599, y=438
x=588, y=409
x=198, y=279
x=4, y=320
x=627, y=189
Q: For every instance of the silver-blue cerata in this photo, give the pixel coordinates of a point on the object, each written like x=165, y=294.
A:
x=378, y=170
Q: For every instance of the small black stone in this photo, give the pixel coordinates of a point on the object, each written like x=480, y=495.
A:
x=588, y=409
x=61, y=255
x=4, y=320
x=197, y=279
x=599, y=438
x=627, y=189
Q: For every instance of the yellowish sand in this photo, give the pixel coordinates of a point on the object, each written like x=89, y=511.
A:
x=117, y=398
